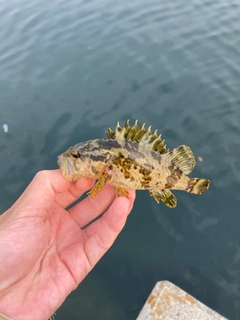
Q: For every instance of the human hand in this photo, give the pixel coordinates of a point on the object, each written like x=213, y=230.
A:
x=44, y=251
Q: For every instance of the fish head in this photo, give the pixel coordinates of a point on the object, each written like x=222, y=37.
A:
x=84, y=159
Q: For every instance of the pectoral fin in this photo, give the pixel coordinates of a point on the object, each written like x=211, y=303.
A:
x=165, y=196
x=99, y=185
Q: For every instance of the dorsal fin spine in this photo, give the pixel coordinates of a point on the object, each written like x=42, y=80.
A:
x=127, y=128
x=140, y=133
x=133, y=131
x=145, y=137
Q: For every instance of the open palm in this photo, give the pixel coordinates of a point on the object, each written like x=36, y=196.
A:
x=44, y=250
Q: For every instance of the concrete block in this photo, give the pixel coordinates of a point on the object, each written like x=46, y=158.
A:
x=169, y=302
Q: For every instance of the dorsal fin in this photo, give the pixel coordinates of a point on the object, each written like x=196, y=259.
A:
x=141, y=135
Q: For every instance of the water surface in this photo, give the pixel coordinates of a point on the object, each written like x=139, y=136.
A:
x=71, y=69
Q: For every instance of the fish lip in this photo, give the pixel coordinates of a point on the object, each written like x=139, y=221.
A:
x=66, y=167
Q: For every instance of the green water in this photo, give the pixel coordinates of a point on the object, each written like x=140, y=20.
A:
x=71, y=69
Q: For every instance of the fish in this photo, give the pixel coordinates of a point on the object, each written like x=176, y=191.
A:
x=133, y=157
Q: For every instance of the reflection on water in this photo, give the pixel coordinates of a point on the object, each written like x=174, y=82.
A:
x=69, y=70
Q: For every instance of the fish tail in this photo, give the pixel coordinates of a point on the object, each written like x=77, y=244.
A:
x=197, y=185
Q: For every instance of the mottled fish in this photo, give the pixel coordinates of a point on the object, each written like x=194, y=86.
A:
x=133, y=157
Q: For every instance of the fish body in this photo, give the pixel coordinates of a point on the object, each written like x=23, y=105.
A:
x=133, y=158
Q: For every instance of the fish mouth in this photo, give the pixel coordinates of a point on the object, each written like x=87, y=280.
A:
x=66, y=167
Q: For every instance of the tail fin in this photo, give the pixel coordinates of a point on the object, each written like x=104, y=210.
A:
x=197, y=186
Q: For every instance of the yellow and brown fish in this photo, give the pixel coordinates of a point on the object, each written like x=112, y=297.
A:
x=133, y=157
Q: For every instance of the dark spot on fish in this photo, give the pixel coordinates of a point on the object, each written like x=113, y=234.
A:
x=132, y=148
x=176, y=172
x=94, y=170
x=175, y=175
x=95, y=149
x=179, y=173
x=145, y=183
x=97, y=158
x=171, y=167
x=124, y=164
x=146, y=177
x=127, y=163
x=144, y=172
x=108, y=144
x=191, y=184
x=172, y=180
x=127, y=175
x=149, y=165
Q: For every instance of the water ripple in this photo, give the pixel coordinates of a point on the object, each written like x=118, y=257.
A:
x=70, y=69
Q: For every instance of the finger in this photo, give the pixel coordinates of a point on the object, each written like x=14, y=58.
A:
x=103, y=232
x=88, y=209
x=74, y=192
x=42, y=190
x=96, y=225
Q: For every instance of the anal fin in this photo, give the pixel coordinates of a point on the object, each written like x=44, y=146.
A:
x=165, y=196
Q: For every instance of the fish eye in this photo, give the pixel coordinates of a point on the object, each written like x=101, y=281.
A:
x=76, y=155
